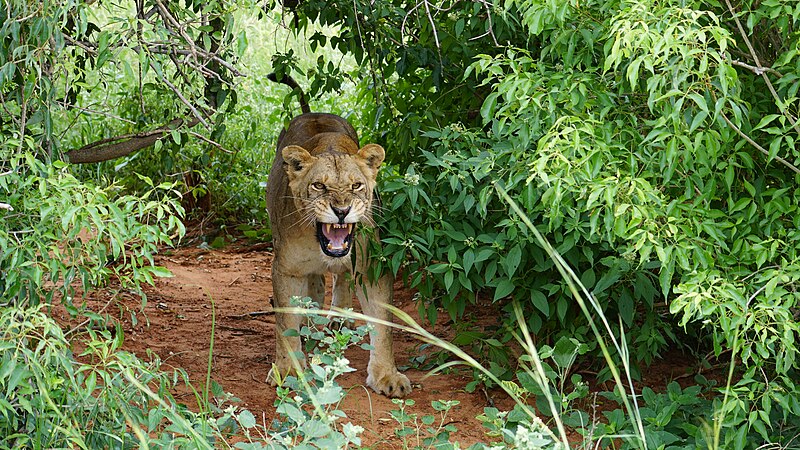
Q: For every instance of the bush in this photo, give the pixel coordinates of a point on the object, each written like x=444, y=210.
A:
x=62, y=232
x=114, y=400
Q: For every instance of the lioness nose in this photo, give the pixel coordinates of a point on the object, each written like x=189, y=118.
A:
x=341, y=213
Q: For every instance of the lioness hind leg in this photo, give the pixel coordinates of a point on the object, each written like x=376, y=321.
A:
x=382, y=374
x=286, y=347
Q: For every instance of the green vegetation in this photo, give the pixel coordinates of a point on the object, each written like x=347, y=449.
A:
x=653, y=144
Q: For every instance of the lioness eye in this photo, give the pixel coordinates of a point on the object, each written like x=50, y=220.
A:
x=318, y=186
x=357, y=186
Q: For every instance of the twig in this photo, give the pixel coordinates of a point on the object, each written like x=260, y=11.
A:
x=211, y=141
x=235, y=329
x=754, y=69
x=757, y=146
x=94, y=111
x=6, y=206
x=82, y=324
x=490, y=31
x=761, y=68
x=169, y=18
x=435, y=32
x=183, y=99
x=250, y=315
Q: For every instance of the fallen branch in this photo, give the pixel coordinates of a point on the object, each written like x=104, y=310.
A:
x=119, y=146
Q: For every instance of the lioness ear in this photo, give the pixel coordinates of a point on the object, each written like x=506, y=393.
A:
x=373, y=155
x=296, y=159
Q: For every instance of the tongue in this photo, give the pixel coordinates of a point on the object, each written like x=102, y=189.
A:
x=336, y=236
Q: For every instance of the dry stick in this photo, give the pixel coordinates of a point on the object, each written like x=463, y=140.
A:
x=250, y=315
x=761, y=69
x=756, y=145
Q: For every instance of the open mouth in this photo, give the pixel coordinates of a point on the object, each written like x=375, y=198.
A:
x=335, y=239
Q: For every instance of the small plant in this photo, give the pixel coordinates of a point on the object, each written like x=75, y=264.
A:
x=115, y=400
x=516, y=430
x=63, y=233
x=424, y=432
x=307, y=404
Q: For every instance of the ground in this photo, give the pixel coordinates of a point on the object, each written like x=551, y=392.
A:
x=176, y=323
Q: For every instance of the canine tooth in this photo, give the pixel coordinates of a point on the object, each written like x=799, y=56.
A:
x=330, y=246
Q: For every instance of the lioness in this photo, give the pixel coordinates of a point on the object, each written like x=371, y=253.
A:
x=319, y=190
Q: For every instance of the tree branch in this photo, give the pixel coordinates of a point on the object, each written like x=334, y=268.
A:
x=119, y=146
x=757, y=146
x=761, y=69
x=754, y=69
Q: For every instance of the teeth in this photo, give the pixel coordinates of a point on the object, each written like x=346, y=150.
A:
x=330, y=246
x=330, y=226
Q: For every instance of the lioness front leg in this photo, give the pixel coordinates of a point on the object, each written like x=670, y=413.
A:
x=342, y=295
x=382, y=374
x=284, y=288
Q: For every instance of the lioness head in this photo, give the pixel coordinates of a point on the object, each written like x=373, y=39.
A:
x=333, y=191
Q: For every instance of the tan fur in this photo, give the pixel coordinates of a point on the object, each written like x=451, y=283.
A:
x=319, y=166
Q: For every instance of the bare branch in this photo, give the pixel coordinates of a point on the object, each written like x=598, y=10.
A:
x=435, y=32
x=210, y=141
x=94, y=111
x=754, y=69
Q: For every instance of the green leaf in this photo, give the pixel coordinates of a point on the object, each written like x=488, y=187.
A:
x=512, y=260
x=540, y=302
x=247, y=419
x=775, y=147
x=504, y=288
x=161, y=272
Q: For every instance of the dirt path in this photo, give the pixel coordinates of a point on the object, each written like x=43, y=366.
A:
x=179, y=313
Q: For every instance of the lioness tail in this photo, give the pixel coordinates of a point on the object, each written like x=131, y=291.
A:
x=289, y=81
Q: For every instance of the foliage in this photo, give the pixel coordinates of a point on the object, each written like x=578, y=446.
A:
x=654, y=143
x=62, y=231
x=411, y=58
x=425, y=432
x=113, y=400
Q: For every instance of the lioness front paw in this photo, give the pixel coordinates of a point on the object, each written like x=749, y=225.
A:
x=391, y=384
